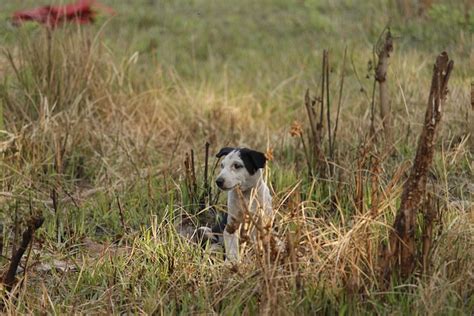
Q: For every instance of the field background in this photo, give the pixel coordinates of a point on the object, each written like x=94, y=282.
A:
x=96, y=123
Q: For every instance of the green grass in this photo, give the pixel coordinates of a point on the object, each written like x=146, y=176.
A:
x=105, y=115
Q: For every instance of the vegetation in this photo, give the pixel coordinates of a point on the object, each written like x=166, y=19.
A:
x=97, y=121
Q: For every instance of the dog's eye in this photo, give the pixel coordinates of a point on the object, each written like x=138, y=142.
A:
x=222, y=166
x=237, y=166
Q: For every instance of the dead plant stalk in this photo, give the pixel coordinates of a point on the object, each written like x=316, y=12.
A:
x=8, y=278
x=402, y=247
x=381, y=78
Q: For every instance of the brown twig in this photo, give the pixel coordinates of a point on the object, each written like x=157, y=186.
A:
x=323, y=87
x=193, y=174
x=121, y=214
x=207, y=187
x=8, y=278
x=187, y=171
x=189, y=177
x=339, y=102
x=54, y=200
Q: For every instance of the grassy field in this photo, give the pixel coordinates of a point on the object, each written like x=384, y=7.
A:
x=96, y=123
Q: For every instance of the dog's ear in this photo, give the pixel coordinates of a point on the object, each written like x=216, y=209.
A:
x=224, y=151
x=258, y=159
x=253, y=160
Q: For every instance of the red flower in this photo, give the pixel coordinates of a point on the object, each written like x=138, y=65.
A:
x=82, y=12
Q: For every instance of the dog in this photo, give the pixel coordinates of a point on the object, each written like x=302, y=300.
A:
x=242, y=178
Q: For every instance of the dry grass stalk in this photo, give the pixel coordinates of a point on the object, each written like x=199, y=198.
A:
x=472, y=95
x=191, y=184
x=400, y=252
x=381, y=77
x=207, y=187
x=54, y=201
x=318, y=160
x=328, y=106
x=359, y=187
x=364, y=151
x=297, y=131
x=339, y=102
x=1, y=239
x=317, y=156
x=323, y=88
x=121, y=215
x=375, y=173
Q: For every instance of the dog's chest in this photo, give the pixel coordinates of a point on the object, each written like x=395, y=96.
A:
x=239, y=203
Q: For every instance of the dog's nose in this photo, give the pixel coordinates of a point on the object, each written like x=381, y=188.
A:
x=220, y=182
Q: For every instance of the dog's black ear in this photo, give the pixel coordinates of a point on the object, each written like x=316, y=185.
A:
x=258, y=158
x=224, y=151
x=253, y=160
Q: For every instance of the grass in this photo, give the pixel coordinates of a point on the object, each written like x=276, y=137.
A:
x=99, y=120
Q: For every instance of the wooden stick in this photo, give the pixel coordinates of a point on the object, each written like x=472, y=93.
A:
x=8, y=278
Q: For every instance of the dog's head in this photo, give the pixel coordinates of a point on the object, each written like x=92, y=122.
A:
x=239, y=168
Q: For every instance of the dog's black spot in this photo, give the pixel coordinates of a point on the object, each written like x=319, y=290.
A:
x=253, y=160
x=224, y=151
x=220, y=226
x=204, y=236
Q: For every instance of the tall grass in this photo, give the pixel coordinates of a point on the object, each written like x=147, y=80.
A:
x=108, y=131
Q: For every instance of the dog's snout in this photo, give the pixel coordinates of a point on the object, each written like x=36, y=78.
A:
x=220, y=182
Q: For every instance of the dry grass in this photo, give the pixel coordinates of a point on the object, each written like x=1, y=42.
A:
x=109, y=135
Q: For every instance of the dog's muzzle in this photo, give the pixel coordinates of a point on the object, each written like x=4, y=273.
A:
x=220, y=183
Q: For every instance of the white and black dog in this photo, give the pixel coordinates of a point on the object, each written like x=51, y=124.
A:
x=241, y=176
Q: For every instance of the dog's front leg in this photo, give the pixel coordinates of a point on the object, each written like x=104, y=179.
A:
x=231, y=240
